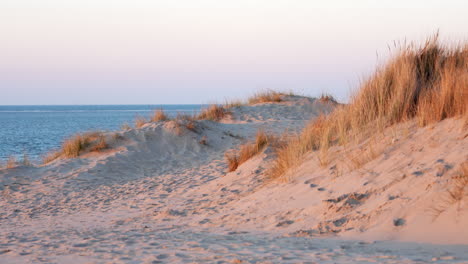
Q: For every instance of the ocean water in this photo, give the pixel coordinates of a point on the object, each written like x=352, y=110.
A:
x=36, y=130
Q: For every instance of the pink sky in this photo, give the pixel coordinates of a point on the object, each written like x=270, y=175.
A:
x=151, y=52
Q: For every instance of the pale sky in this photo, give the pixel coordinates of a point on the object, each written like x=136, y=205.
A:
x=201, y=51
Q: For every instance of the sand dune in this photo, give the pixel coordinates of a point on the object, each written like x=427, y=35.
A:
x=160, y=196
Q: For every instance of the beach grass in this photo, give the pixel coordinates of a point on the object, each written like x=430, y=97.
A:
x=428, y=83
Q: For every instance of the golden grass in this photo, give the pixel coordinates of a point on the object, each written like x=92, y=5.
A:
x=268, y=96
x=327, y=98
x=140, y=121
x=428, y=83
x=11, y=162
x=159, y=115
x=77, y=144
x=247, y=151
x=213, y=112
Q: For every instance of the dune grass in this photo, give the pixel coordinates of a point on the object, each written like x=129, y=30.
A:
x=267, y=96
x=428, y=83
x=76, y=145
x=11, y=162
x=327, y=98
x=140, y=122
x=213, y=112
x=159, y=115
x=247, y=151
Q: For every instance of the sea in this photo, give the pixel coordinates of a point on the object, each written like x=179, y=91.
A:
x=37, y=130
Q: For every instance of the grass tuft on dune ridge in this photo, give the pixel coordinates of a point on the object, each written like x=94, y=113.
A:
x=159, y=115
x=268, y=96
x=247, y=150
x=213, y=112
x=428, y=83
x=77, y=144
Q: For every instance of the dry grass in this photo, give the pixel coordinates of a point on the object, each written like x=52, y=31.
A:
x=213, y=112
x=11, y=162
x=428, y=83
x=49, y=157
x=247, y=151
x=192, y=126
x=268, y=96
x=233, y=103
x=140, y=121
x=159, y=115
x=327, y=98
x=77, y=144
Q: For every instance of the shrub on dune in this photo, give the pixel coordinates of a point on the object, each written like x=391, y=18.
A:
x=213, y=112
x=159, y=115
x=140, y=122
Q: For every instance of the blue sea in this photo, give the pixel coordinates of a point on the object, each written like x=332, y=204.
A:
x=36, y=130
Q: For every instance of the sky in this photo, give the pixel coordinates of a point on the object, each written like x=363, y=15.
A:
x=204, y=51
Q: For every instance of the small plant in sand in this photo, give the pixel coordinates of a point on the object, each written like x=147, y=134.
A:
x=327, y=98
x=140, y=121
x=11, y=162
x=268, y=96
x=190, y=125
x=204, y=141
x=428, y=83
x=233, y=103
x=213, y=112
x=247, y=151
x=159, y=115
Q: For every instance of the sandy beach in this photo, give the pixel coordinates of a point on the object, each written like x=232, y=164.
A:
x=159, y=195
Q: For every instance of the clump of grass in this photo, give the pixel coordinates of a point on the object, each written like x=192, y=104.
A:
x=233, y=104
x=191, y=125
x=77, y=144
x=11, y=162
x=247, y=151
x=213, y=112
x=268, y=96
x=327, y=98
x=99, y=144
x=140, y=121
x=159, y=115
x=428, y=83
x=204, y=141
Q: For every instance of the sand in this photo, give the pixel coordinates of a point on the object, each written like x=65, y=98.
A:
x=159, y=196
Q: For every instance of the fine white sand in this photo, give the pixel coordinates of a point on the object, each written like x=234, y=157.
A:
x=159, y=196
